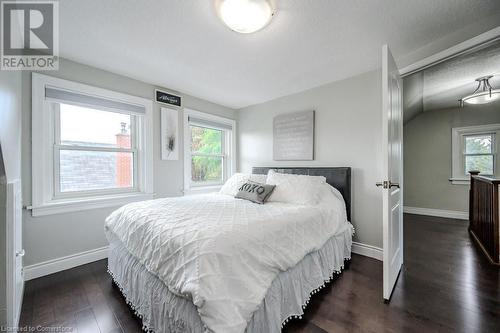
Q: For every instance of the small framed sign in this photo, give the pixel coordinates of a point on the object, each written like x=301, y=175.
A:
x=167, y=98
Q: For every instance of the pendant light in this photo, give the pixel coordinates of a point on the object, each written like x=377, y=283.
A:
x=483, y=94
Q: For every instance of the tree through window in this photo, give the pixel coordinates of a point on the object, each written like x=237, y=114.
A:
x=207, y=155
x=478, y=153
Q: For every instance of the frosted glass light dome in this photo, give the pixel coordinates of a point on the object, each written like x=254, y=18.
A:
x=483, y=94
x=245, y=16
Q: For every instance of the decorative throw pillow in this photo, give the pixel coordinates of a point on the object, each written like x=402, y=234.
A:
x=255, y=192
x=233, y=184
x=298, y=189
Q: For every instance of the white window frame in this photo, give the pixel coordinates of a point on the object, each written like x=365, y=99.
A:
x=228, y=146
x=46, y=199
x=458, y=176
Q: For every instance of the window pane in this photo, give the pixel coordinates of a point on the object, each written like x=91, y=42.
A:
x=95, y=170
x=206, y=140
x=483, y=163
x=206, y=169
x=82, y=126
x=478, y=144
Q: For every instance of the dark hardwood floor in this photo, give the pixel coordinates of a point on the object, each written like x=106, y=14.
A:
x=446, y=285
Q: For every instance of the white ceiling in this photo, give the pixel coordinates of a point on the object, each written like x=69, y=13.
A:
x=182, y=45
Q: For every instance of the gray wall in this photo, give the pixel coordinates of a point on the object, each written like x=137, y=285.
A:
x=10, y=159
x=54, y=236
x=427, y=156
x=413, y=96
x=10, y=122
x=348, y=133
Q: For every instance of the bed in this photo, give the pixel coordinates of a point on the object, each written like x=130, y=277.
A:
x=213, y=263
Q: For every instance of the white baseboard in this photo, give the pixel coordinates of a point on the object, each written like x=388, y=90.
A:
x=63, y=263
x=368, y=250
x=451, y=214
x=60, y=264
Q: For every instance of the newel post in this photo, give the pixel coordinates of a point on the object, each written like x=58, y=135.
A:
x=471, y=195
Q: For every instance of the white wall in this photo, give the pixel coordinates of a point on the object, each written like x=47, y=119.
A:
x=348, y=133
x=55, y=236
x=10, y=160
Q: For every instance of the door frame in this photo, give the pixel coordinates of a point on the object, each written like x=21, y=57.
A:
x=490, y=36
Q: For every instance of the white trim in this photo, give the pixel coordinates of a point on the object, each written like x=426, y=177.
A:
x=451, y=214
x=366, y=250
x=44, y=200
x=459, y=181
x=60, y=264
x=451, y=52
x=202, y=189
x=458, y=176
x=65, y=206
x=188, y=189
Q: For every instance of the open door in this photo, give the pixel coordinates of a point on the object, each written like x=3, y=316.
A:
x=392, y=185
x=15, y=280
x=11, y=208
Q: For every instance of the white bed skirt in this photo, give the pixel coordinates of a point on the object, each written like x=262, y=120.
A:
x=162, y=311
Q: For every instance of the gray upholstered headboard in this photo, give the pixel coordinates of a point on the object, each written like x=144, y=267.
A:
x=338, y=177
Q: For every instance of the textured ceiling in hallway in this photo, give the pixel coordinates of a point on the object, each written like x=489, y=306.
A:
x=441, y=86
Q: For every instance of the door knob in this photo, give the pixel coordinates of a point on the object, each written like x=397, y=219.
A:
x=384, y=184
x=393, y=184
x=20, y=253
x=387, y=184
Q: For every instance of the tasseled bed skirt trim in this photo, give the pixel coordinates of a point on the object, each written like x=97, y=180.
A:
x=162, y=311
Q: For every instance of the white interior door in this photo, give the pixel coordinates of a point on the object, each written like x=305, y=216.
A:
x=392, y=185
x=15, y=253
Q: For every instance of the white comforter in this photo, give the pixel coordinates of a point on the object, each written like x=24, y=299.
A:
x=223, y=253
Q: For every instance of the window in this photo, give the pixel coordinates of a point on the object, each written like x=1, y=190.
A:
x=209, y=150
x=91, y=147
x=474, y=148
x=478, y=153
x=94, y=150
x=207, y=155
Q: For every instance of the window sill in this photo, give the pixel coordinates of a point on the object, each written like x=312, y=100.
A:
x=202, y=189
x=459, y=181
x=80, y=204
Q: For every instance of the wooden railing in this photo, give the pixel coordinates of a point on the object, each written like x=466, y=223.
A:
x=483, y=214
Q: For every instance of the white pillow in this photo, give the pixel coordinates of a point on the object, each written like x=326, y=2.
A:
x=299, y=189
x=258, y=178
x=233, y=184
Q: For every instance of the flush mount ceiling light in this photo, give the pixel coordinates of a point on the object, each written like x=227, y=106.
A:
x=483, y=94
x=245, y=16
